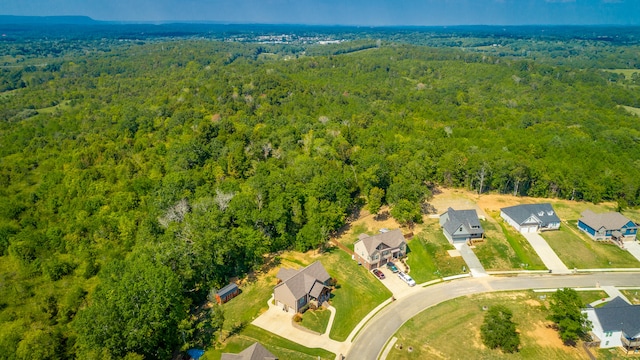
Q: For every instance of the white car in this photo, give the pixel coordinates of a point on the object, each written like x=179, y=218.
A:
x=406, y=278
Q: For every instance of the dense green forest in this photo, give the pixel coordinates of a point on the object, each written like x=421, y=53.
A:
x=136, y=176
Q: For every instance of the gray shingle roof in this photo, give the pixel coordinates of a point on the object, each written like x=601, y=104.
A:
x=305, y=280
x=253, y=352
x=609, y=221
x=618, y=315
x=520, y=213
x=389, y=239
x=465, y=218
x=227, y=290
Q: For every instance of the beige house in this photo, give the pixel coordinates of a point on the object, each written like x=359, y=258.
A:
x=299, y=288
x=377, y=250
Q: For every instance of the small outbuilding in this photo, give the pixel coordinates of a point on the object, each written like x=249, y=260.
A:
x=227, y=293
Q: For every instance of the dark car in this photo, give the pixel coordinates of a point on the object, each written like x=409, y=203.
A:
x=378, y=274
x=391, y=266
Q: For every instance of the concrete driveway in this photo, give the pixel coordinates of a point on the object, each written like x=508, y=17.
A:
x=397, y=287
x=546, y=253
x=475, y=267
x=633, y=247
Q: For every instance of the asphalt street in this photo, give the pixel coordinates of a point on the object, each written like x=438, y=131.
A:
x=373, y=337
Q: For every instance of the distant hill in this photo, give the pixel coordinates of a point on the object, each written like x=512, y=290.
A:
x=47, y=20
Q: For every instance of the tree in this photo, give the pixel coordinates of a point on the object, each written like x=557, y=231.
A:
x=136, y=309
x=407, y=212
x=499, y=331
x=374, y=200
x=565, y=312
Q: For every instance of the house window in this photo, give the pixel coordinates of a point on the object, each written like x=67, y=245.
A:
x=301, y=302
x=607, y=343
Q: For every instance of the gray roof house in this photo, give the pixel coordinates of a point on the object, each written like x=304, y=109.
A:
x=253, y=352
x=611, y=225
x=297, y=288
x=460, y=226
x=617, y=323
x=372, y=251
x=531, y=218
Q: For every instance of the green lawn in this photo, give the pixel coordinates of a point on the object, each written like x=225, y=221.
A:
x=504, y=249
x=251, y=302
x=632, y=295
x=433, y=334
x=316, y=320
x=577, y=251
x=428, y=258
x=357, y=292
x=280, y=347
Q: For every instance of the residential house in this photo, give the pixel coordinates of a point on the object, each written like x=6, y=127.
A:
x=531, y=218
x=227, y=293
x=253, y=352
x=300, y=288
x=460, y=226
x=372, y=251
x=607, y=226
x=616, y=323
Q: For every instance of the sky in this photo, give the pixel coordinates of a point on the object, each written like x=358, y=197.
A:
x=343, y=12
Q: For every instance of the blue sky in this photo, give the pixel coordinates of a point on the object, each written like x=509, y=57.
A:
x=343, y=12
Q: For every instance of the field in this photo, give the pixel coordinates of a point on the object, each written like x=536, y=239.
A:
x=432, y=334
x=428, y=258
x=576, y=251
x=504, y=249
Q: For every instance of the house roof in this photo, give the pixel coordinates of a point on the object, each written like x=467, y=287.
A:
x=609, y=221
x=390, y=239
x=253, y=352
x=309, y=280
x=227, y=290
x=543, y=212
x=618, y=315
x=465, y=218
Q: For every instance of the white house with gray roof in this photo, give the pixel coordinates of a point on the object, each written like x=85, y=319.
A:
x=616, y=324
x=298, y=288
x=460, y=226
x=372, y=251
x=531, y=218
x=611, y=225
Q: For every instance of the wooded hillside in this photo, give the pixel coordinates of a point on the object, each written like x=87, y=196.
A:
x=137, y=179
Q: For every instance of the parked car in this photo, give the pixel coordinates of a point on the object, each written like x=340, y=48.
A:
x=378, y=274
x=391, y=266
x=406, y=278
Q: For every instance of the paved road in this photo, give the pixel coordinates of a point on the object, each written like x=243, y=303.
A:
x=546, y=253
x=372, y=338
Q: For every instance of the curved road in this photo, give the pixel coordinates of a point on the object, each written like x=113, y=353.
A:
x=374, y=335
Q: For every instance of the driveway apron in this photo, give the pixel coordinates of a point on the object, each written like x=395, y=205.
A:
x=475, y=267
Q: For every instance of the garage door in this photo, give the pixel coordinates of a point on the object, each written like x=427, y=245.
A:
x=528, y=229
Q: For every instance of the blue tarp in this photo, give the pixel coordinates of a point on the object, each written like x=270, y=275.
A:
x=195, y=353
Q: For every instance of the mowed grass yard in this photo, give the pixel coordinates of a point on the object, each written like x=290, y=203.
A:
x=576, y=250
x=357, y=293
x=238, y=333
x=316, y=320
x=280, y=347
x=451, y=330
x=505, y=249
x=428, y=258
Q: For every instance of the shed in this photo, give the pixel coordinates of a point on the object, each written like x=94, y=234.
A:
x=227, y=293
